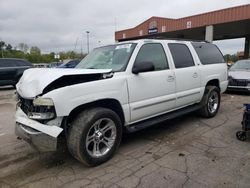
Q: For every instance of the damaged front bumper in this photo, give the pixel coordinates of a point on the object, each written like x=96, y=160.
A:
x=42, y=137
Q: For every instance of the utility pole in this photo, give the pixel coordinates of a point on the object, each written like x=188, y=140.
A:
x=88, y=40
x=76, y=44
x=81, y=48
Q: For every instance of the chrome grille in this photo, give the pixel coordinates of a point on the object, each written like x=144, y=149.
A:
x=234, y=82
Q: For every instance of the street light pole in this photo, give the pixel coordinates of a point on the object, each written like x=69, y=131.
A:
x=87, y=40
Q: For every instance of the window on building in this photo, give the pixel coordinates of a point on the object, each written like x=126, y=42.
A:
x=154, y=53
x=181, y=55
x=123, y=35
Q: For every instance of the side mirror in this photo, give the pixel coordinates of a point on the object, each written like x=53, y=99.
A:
x=143, y=67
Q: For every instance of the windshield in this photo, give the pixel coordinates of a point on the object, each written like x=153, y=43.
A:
x=241, y=65
x=113, y=57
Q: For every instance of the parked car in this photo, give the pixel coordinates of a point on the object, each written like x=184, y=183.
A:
x=239, y=76
x=123, y=87
x=40, y=65
x=54, y=64
x=11, y=70
x=70, y=64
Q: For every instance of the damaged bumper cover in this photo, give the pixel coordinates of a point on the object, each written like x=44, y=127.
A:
x=41, y=136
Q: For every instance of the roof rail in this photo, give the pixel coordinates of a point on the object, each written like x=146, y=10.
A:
x=180, y=39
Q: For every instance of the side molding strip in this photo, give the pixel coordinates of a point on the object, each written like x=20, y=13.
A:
x=147, y=105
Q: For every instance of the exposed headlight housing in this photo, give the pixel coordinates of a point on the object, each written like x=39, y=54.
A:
x=43, y=109
x=43, y=102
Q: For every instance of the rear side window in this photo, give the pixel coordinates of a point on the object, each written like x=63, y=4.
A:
x=22, y=63
x=181, y=55
x=2, y=63
x=7, y=63
x=154, y=53
x=14, y=63
x=208, y=53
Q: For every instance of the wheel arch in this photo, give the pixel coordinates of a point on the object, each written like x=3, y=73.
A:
x=214, y=82
x=111, y=104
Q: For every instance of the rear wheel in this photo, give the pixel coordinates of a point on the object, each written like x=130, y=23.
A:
x=94, y=136
x=210, y=102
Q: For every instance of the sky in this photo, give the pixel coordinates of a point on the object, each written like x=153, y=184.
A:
x=61, y=25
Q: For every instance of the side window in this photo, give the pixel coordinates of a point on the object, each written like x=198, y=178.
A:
x=154, y=53
x=2, y=63
x=181, y=55
x=22, y=63
x=10, y=63
x=208, y=53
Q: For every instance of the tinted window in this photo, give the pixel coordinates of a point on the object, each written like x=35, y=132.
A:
x=22, y=63
x=13, y=63
x=208, y=53
x=2, y=63
x=7, y=63
x=181, y=55
x=152, y=53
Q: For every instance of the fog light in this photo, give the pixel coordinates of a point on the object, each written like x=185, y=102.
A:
x=41, y=116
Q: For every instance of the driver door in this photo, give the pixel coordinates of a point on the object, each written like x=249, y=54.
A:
x=151, y=93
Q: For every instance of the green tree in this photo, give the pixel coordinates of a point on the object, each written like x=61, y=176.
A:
x=8, y=47
x=35, y=50
x=35, y=55
x=229, y=57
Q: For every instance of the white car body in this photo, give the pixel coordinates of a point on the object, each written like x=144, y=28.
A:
x=141, y=96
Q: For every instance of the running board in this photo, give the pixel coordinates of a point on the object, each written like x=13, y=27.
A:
x=155, y=120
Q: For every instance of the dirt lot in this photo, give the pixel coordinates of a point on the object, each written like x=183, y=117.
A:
x=185, y=152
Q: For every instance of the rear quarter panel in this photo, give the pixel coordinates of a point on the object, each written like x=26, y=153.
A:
x=214, y=71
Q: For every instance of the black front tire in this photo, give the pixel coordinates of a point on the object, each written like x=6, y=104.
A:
x=205, y=110
x=80, y=129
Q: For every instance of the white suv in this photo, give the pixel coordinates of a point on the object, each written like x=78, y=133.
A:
x=122, y=87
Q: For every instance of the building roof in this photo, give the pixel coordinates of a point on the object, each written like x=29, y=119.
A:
x=164, y=25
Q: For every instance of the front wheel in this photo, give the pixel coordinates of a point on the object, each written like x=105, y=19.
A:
x=95, y=135
x=210, y=103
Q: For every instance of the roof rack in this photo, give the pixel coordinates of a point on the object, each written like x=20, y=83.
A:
x=180, y=39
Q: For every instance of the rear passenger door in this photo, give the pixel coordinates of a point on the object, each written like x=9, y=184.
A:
x=187, y=75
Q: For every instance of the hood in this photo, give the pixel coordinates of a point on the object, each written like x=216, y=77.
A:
x=239, y=74
x=38, y=81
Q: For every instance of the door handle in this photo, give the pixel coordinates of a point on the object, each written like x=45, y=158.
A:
x=195, y=75
x=170, y=78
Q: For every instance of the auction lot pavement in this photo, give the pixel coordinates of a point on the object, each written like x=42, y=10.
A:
x=185, y=152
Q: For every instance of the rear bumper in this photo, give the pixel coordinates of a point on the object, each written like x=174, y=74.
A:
x=41, y=136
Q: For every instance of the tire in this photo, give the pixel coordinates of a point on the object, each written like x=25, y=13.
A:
x=241, y=135
x=210, y=108
x=90, y=125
